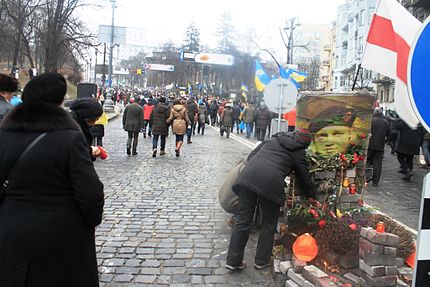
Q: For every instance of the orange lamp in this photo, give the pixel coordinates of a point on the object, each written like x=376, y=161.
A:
x=305, y=247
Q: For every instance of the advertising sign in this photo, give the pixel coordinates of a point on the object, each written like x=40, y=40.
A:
x=217, y=59
x=160, y=67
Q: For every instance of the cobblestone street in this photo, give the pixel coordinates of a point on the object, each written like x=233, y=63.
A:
x=395, y=197
x=162, y=221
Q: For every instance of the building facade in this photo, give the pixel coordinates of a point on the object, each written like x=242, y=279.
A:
x=312, y=53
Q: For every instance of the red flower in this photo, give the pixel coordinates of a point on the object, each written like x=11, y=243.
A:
x=361, y=157
x=352, y=144
x=353, y=226
x=362, y=136
x=322, y=223
x=314, y=213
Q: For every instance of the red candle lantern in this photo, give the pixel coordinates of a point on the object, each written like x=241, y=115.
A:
x=380, y=227
x=305, y=247
x=352, y=188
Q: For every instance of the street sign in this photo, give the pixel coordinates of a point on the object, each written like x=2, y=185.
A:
x=280, y=95
x=217, y=59
x=105, y=34
x=186, y=56
x=419, y=75
x=418, y=81
x=160, y=67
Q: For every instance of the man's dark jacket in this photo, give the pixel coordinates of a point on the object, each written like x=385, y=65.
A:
x=379, y=133
x=409, y=141
x=270, y=163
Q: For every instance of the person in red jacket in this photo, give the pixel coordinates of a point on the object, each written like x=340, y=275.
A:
x=147, y=110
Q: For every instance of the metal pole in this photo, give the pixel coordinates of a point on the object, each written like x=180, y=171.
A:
x=104, y=66
x=111, y=44
x=280, y=107
x=95, y=66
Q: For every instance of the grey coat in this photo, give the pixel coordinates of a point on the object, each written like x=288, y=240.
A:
x=132, y=119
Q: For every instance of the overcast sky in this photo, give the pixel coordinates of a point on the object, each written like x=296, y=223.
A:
x=165, y=20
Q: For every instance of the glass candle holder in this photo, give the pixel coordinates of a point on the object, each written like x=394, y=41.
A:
x=352, y=188
x=345, y=182
x=380, y=227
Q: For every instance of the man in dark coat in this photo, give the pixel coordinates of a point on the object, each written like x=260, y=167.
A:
x=379, y=134
x=236, y=117
x=249, y=119
x=8, y=86
x=263, y=179
x=262, y=119
x=132, y=121
x=192, y=110
x=407, y=146
x=226, y=120
x=54, y=199
x=158, y=121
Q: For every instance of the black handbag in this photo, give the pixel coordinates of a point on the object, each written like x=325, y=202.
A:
x=6, y=182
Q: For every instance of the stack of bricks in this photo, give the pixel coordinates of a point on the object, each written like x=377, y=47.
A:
x=377, y=253
x=348, y=200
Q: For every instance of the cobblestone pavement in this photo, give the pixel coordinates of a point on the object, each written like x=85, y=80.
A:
x=162, y=222
x=395, y=197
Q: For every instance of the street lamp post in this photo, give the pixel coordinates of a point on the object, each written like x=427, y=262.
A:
x=112, y=37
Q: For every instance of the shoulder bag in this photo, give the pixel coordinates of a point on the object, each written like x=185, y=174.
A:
x=5, y=183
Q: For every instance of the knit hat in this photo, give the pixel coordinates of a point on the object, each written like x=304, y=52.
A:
x=131, y=100
x=8, y=84
x=303, y=136
x=48, y=88
x=87, y=108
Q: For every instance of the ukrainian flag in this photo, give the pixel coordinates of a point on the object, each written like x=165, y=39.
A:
x=244, y=87
x=286, y=74
x=261, y=78
x=298, y=76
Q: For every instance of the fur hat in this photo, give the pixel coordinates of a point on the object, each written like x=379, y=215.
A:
x=8, y=84
x=87, y=108
x=47, y=88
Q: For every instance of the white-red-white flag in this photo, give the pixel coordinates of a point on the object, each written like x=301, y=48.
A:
x=389, y=41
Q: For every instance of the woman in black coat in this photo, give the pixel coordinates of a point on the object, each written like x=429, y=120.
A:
x=54, y=199
x=160, y=129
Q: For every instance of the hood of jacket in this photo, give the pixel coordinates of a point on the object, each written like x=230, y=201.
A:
x=290, y=141
x=178, y=108
x=38, y=118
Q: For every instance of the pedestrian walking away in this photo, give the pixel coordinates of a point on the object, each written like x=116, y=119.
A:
x=147, y=110
x=179, y=120
x=263, y=117
x=249, y=119
x=407, y=146
x=236, y=117
x=203, y=118
x=192, y=112
x=380, y=133
x=132, y=121
x=160, y=129
x=262, y=180
x=226, y=120
x=54, y=199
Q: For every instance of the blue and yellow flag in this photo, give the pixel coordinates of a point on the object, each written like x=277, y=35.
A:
x=298, y=76
x=261, y=78
x=244, y=87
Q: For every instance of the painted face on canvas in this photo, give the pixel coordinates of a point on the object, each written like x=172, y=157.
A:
x=332, y=139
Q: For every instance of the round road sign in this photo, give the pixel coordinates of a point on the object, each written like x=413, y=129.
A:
x=280, y=95
x=419, y=75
